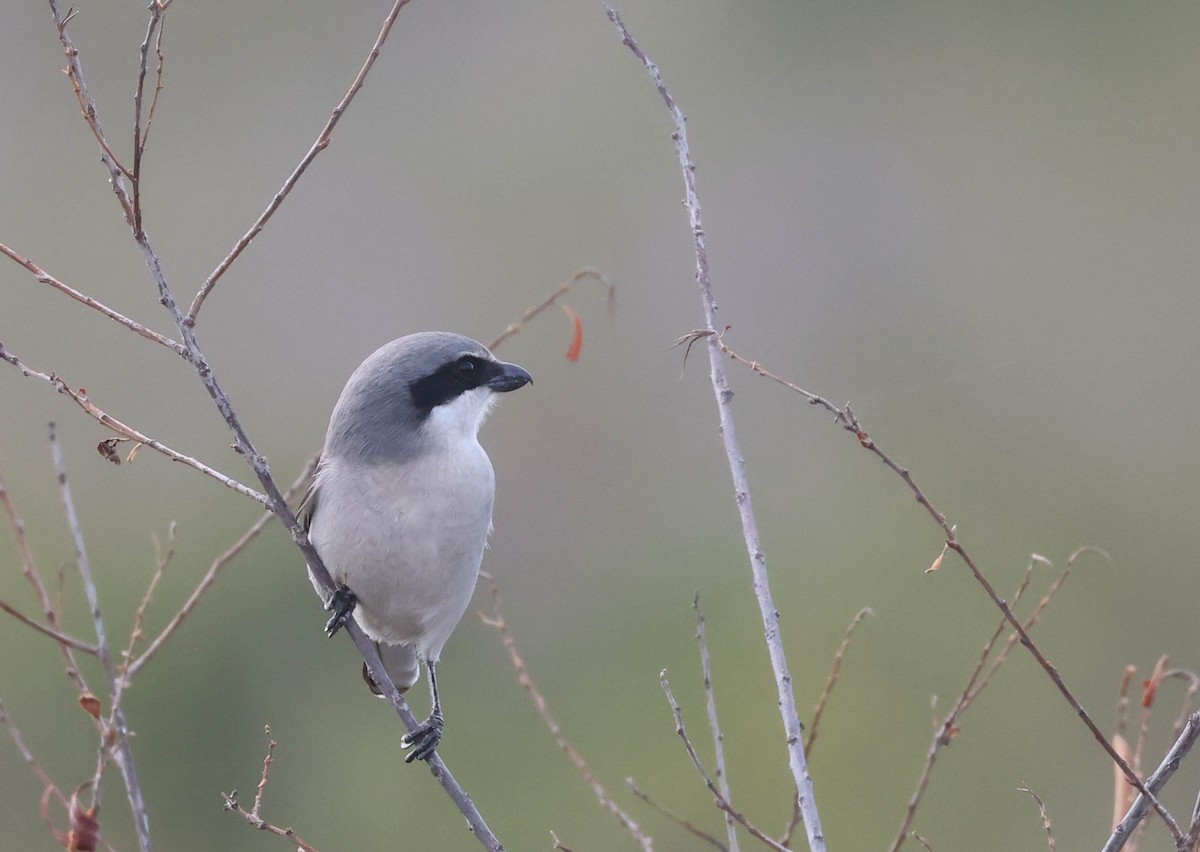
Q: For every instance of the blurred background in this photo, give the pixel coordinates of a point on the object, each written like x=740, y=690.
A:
x=974, y=221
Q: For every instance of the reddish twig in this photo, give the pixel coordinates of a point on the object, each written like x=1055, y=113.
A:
x=496, y=620
x=686, y=825
x=586, y=273
x=1045, y=817
x=254, y=815
x=214, y=570
x=321, y=143
x=136, y=327
x=80, y=398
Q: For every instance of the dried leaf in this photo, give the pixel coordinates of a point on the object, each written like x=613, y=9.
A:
x=91, y=704
x=937, y=563
x=133, y=453
x=85, y=828
x=108, y=449
x=577, y=339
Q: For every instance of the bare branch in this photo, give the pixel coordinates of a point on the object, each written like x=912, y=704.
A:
x=721, y=801
x=713, y=724
x=675, y=818
x=323, y=139
x=87, y=107
x=846, y=419
x=1154, y=784
x=136, y=327
x=80, y=398
x=584, y=274
x=737, y=467
x=523, y=677
x=77, y=644
x=254, y=816
x=116, y=739
x=214, y=569
x=1045, y=817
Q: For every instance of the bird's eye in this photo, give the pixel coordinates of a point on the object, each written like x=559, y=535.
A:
x=466, y=369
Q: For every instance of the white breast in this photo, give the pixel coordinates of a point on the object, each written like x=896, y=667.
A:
x=407, y=538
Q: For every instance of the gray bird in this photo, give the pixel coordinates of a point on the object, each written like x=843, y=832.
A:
x=401, y=505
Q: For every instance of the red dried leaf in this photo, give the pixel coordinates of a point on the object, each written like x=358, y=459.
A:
x=85, y=828
x=91, y=704
x=577, y=340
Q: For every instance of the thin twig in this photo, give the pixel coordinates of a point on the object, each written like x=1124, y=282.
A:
x=822, y=700
x=835, y=672
x=30, y=572
x=322, y=142
x=586, y=273
x=252, y=816
x=720, y=801
x=945, y=731
x=158, y=75
x=1045, y=817
x=30, y=760
x=136, y=327
x=87, y=107
x=214, y=570
x=1154, y=783
x=686, y=825
x=139, y=145
x=496, y=620
x=136, y=634
x=77, y=644
x=737, y=466
x=713, y=724
x=845, y=417
x=116, y=739
x=80, y=398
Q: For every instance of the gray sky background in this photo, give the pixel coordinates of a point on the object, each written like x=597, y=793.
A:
x=976, y=222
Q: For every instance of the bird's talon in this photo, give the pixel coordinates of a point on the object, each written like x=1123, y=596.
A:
x=424, y=740
x=341, y=603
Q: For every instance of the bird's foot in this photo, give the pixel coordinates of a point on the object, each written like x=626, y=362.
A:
x=341, y=603
x=424, y=740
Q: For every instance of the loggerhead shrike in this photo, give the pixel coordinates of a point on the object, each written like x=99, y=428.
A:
x=401, y=506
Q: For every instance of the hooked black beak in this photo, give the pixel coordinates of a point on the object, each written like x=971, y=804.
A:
x=510, y=378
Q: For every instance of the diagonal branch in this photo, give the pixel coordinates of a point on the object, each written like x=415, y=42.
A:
x=133, y=325
x=737, y=466
x=322, y=142
x=80, y=398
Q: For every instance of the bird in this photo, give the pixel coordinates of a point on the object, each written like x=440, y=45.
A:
x=400, y=508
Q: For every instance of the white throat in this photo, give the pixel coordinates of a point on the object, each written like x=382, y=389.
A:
x=458, y=420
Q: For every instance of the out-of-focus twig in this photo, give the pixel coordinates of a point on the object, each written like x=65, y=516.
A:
x=721, y=802
x=793, y=735
x=846, y=418
x=1045, y=817
x=214, y=570
x=496, y=620
x=1155, y=783
x=116, y=739
x=835, y=672
x=713, y=724
x=686, y=825
x=584, y=274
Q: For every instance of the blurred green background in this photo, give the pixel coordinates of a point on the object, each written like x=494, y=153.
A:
x=977, y=222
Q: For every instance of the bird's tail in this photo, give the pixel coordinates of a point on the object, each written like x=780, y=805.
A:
x=401, y=664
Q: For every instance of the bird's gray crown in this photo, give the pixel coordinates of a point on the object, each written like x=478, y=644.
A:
x=391, y=394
